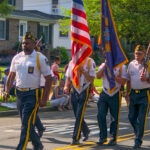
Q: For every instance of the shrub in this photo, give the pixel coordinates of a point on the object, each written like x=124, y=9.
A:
x=6, y=56
x=98, y=58
x=7, y=52
x=64, y=55
x=17, y=47
x=62, y=52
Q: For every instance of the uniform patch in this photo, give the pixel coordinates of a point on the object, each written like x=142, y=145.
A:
x=30, y=69
x=46, y=61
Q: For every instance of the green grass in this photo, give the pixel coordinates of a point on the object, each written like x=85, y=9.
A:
x=11, y=99
x=2, y=70
x=5, y=108
x=97, y=82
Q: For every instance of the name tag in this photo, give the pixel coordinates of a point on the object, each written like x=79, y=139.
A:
x=30, y=70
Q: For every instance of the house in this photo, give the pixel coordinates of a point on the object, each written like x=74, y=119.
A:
x=52, y=7
x=47, y=6
x=14, y=26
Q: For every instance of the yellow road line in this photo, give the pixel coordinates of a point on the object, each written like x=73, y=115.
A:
x=85, y=147
x=96, y=144
x=80, y=147
x=72, y=146
x=130, y=134
x=132, y=137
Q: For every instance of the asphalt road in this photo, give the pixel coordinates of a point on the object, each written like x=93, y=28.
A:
x=59, y=128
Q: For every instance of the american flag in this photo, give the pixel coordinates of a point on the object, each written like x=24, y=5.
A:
x=81, y=43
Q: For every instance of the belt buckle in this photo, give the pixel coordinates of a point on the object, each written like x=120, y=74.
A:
x=137, y=91
x=24, y=90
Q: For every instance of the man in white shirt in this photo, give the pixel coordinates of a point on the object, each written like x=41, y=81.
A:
x=27, y=67
x=111, y=101
x=79, y=97
x=138, y=87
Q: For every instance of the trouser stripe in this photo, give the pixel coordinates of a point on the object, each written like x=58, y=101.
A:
x=33, y=114
x=42, y=92
x=118, y=114
x=148, y=96
x=28, y=130
x=36, y=106
x=82, y=115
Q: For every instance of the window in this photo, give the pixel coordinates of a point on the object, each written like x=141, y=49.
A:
x=12, y=2
x=22, y=29
x=44, y=30
x=55, y=2
x=55, y=6
x=2, y=29
x=61, y=34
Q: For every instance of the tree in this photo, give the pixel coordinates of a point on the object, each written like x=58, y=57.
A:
x=5, y=9
x=131, y=18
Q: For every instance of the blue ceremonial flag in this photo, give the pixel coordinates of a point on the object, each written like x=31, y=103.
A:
x=114, y=54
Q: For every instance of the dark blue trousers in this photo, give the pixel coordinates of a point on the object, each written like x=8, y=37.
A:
x=38, y=123
x=138, y=111
x=112, y=103
x=27, y=107
x=78, y=104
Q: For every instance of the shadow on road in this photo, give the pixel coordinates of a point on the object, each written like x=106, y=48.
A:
x=4, y=147
x=56, y=141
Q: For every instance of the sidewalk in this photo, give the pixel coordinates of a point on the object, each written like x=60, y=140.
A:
x=49, y=108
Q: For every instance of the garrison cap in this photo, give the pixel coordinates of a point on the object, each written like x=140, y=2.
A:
x=140, y=48
x=29, y=36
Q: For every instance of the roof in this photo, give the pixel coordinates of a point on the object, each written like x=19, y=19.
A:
x=35, y=15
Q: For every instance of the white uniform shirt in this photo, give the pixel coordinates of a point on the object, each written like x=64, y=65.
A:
x=91, y=72
x=116, y=73
x=27, y=73
x=42, y=80
x=134, y=71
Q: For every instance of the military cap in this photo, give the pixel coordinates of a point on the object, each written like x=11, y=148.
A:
x=140, y=48
x=29, y=36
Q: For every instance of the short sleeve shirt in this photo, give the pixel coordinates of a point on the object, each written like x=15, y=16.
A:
x=134, y=71
x=91, y=70
x=27, y=72
x=116, y=73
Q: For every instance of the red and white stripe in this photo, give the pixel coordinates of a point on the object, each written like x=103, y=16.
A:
x=81, y=43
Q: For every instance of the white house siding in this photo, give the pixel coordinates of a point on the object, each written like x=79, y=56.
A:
x=41, y=5
x=64, y=4
x=19, y=4
x=60, y=41
x=46, y=5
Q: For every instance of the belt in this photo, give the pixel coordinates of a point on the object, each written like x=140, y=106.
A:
x=140, y=90
x=108, y=89
x=25, y=89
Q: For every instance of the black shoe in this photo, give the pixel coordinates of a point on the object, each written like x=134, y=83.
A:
x=86, y=136
x=112, y=142
x=74, y=142
x=136, y=146
x=102, y=141
x=40, y=133
x=38, y=147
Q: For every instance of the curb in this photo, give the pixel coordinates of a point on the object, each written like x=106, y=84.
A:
x=46, y=109
x=15, y=112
